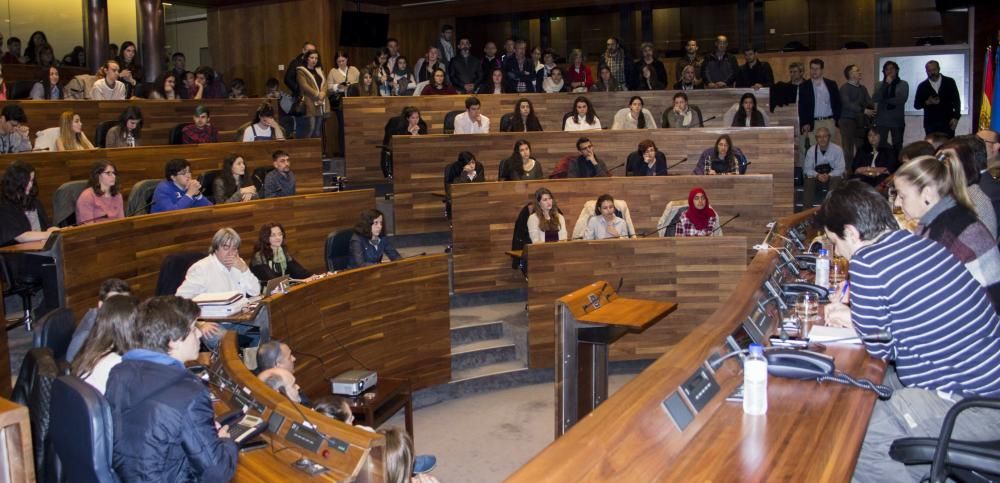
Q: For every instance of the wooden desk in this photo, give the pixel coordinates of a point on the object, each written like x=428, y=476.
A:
x=136, y=164
x=28, y=72
x=27, y=247
x=133, y=248
x=420, y=161
x=810, y=433
x=483, y=215
x=391, y=317
x=376, y=405
x=18, y=463
x=365, y=117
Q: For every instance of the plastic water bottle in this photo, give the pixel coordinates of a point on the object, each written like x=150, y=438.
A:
x=755, y=381
x=823, y=269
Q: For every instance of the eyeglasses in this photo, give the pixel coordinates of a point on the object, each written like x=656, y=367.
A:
x=186, y=172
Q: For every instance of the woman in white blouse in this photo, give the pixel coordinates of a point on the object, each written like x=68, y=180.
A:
x=584, y=118
x=546, y=224
x=635, y=116
x=342, y=75
x=110, y=337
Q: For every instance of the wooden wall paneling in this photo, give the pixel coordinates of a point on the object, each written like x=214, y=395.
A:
x=250, y=41
x=484, y=214
x=158, y=116
x=133, y=248
x=392, y=318
x=415, y=35
x=23, y=72
x=420, y=161
x=52, y=169
x=698, y=274
x=365, y=118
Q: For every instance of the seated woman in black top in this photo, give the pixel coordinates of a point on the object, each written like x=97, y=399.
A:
x=874, y=162
x=367, y=245
x=271, y=258
x=646, y=161
x=233, y=184
x=466, y=169
x=520, y=165
x=409, y=123
x=748, y=115
x=523, y=118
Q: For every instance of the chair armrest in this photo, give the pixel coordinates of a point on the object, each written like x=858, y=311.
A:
x=948, y=426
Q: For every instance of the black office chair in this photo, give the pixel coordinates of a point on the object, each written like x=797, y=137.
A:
x=338, y=249
x=82, y=434
x=54, y=331
x=207, y=180
x=521, y=238
x=173, y=269
x=449, y=121
x=502, y=170
x=19, y=90
x=385, y=156
x=965, y=461
x=143, y=89
x=64, y=203
x=506, y=122
x=175, y=136
x=39, y=408
x=101, y=133
x=258, y=178
x=140, y=199
x=22, y=286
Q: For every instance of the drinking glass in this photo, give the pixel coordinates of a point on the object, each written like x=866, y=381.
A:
x=807, y=310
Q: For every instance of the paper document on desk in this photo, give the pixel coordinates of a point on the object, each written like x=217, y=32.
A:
x=842, y=335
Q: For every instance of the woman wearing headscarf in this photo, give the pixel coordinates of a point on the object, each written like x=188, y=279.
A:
x=699, y=219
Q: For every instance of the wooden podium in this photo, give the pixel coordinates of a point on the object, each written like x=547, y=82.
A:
x=587, y=321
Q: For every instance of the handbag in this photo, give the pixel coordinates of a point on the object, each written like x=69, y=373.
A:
x=298, y=107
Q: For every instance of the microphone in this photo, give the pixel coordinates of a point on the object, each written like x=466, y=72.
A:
x=703, y=121
x=616, y=167
x=682, y=161
x=305, y=420
x=145, y=208
x=657, y=229
x=879, y=337
x=91, y=220
x=621, y=281
x=737, y=215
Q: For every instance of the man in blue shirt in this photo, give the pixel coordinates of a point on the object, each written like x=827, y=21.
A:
x=179, y=190
x=945, y=334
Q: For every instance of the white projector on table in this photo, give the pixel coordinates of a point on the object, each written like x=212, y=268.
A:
x=354, y=382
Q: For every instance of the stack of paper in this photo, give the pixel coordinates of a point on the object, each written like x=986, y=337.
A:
x=842, y=335
x=220, y=304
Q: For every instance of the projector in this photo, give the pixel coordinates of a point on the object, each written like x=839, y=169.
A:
x=354, y=382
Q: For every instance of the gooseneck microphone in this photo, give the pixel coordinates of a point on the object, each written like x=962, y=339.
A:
x=616, y=167
x=305, y=420
x=682, y=161
x=879, y=337
x=737, y=215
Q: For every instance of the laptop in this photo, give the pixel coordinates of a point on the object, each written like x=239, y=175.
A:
x=278, y=284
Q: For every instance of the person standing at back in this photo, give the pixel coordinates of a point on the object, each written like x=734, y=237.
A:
x=292, y=81
x=890, y=107
x=819, y=103
x=938, y=97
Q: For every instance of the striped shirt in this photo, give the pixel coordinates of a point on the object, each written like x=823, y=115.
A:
x=945, y=333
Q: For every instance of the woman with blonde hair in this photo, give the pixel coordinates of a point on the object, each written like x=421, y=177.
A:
x=932, y=191
x=546, y=224
x=71, y=136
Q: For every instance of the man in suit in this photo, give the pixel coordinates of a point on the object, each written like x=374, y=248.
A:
x=938, y=97
x=819, y=104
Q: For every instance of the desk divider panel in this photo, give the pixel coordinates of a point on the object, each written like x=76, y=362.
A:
x=484, y=215
x=698, y=274
x=391, y=317
x=365, y=117
x=420, y=161
x=52, y=169
x=133, y=248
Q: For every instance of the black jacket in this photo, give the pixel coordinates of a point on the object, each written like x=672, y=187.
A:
x=512, y=74
x=292, y=76
x=760, y=73
x=465, y=70
x=936, y=116
x=13, y=221
x=807, y=102
x=363, y=253
x=267, y=270
x=164, y=425
x=636, y=166
x=581, y=167
x=659, y=73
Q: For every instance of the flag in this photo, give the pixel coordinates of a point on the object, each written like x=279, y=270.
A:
x=995, y=113
x=985, y=114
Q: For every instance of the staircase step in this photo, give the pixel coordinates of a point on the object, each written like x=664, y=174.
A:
x=482, y=353
x=489, y=371
x=474, y=332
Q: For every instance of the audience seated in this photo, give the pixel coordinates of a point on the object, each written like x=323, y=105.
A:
x=438, y=85
x=555, y=82
x=577, y=74
x=465, y=70
x=472, y=121
x=635, y=116
x=901, y=284
x=400, y=464
x=48, y=87
x=519, y=70
x=520, y=165
x=109, y=288
x=366, y=88
x=724, y=158
x=914, y=150
x=523, y=119
x=587, y=164
x=201, y=130
x=281, y=180
x=164, y=426
x=283, y=381
x=13, y=131
x=990, y=171
x=605, y=223
x=583, y=117
x=233, y=184
x=223, y=270
x=102, y=199
x=238, y=89
x=71, y=136
x=424, y=67
x=194, y=86
x=273, y=354
x=647, y=160
x=409, y=123
x=22, y=217
x=265, y=126
x=13, y=54
x=546, y=223
x=271, y=258
x=111, y=333
x=466, y=170
x=747, y=115
x=699, y=219
x=108, y=87
x=131, y=72
x=605, y=81
x=681, y=115
x=874, y=161
x=970, y=152
x=657, y=72
x=165, y=87
x=720, y=68
x=367, y=245
x=936, y=139
x=647, y=80
x=401, y=78
x=614, y=59
x=128, y=132
x=823, y=165
x=209, y=83
x=493, y=84
x=688, y=79
x=934, y=193
x=754, y=72
x=179, y=189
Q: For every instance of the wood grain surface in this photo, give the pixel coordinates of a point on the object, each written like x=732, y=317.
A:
x=133, y=248
x=392, y=318
x=484, y=215
x=696, y=273
x=136, y=164
x=421, y=160
x=365, y=117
